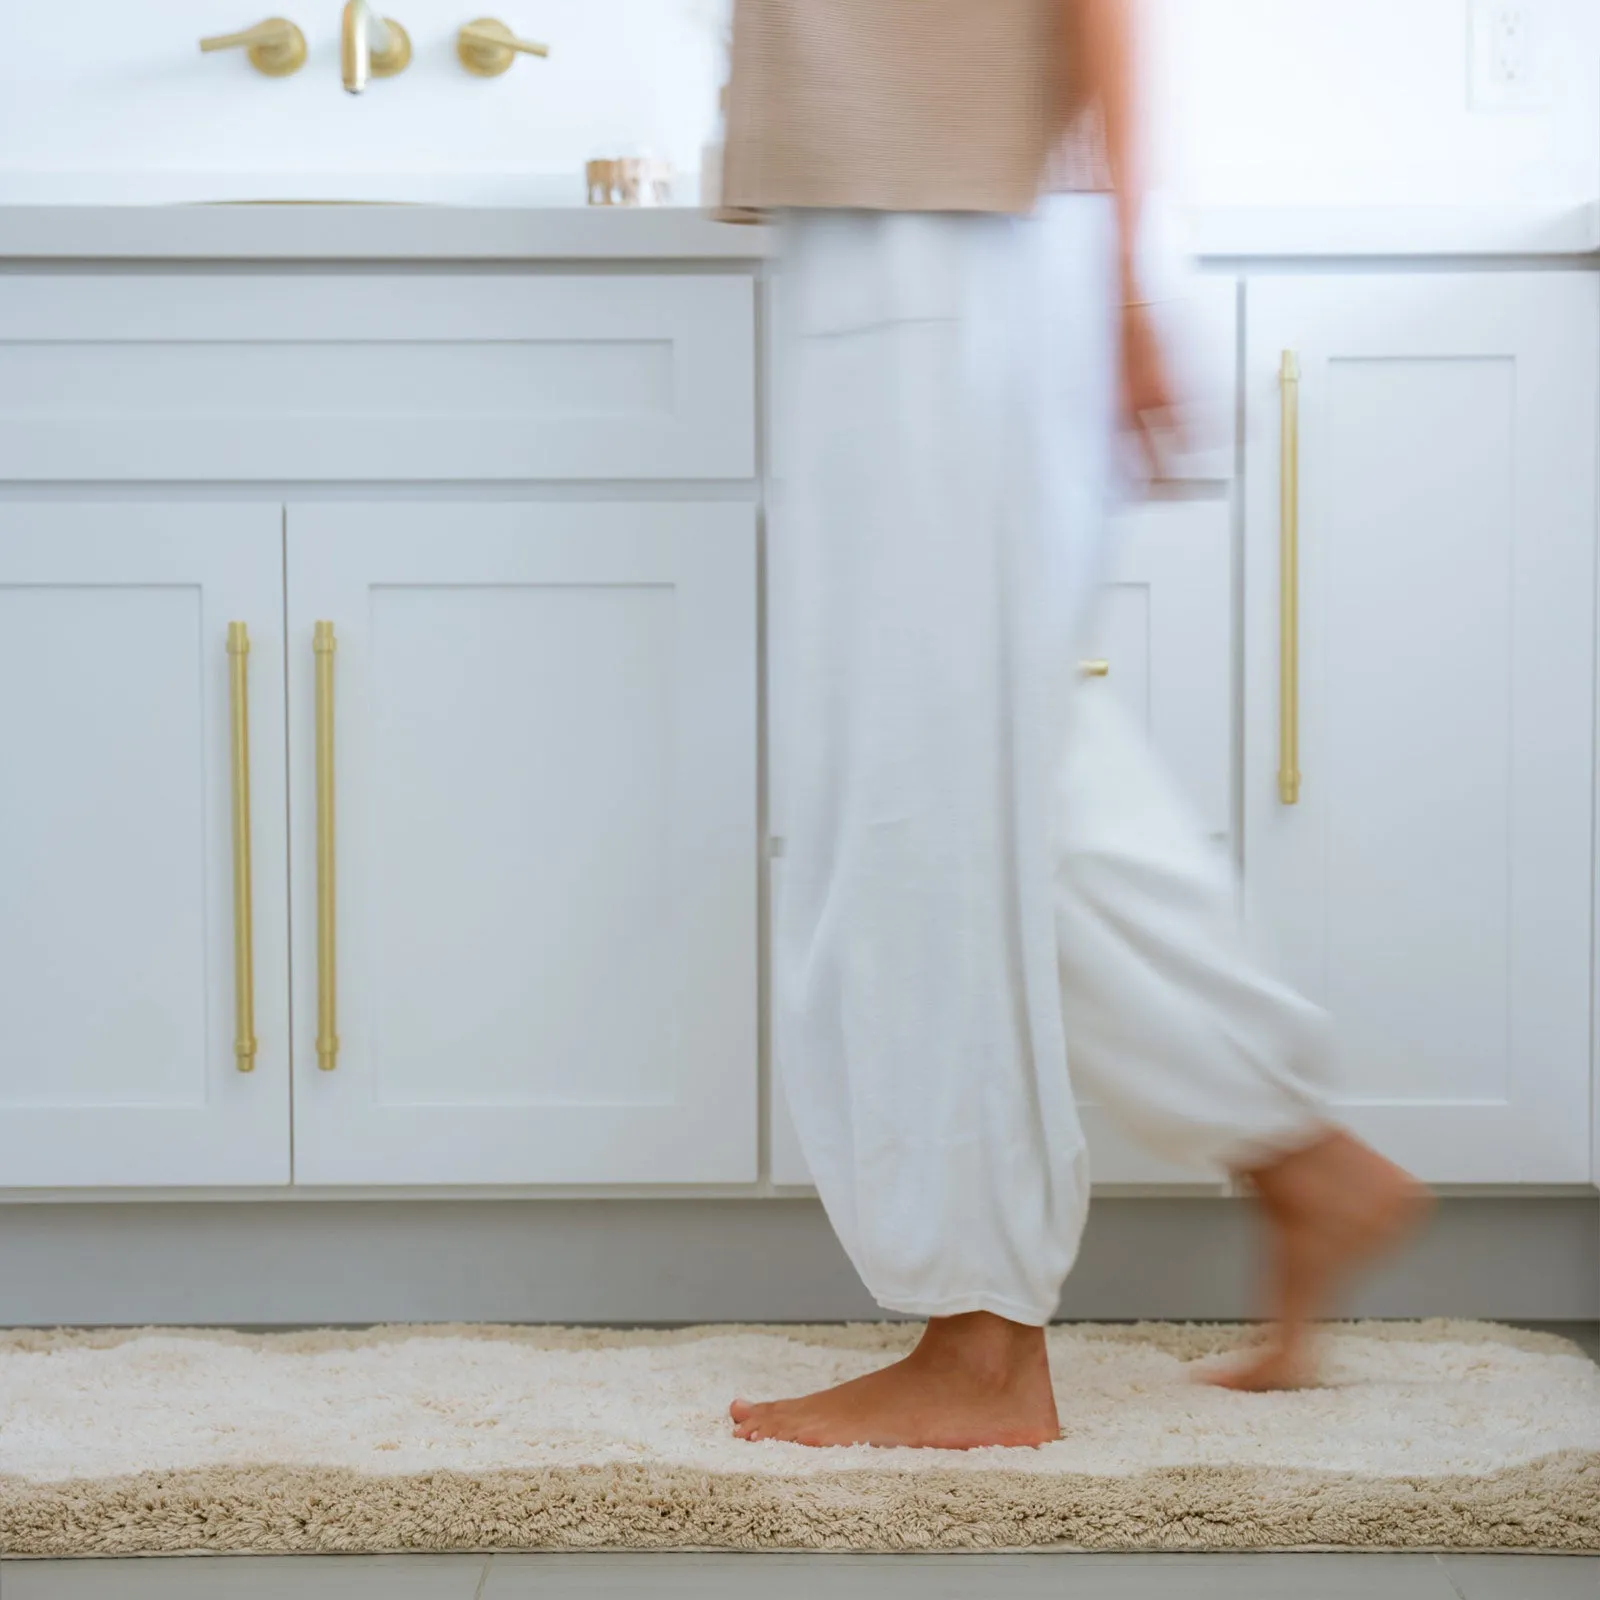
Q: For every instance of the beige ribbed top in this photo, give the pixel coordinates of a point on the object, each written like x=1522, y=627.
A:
x=895, y=105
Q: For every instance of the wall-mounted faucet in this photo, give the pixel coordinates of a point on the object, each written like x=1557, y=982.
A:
x=370, y=46
x=487, y=47
x=275, y=47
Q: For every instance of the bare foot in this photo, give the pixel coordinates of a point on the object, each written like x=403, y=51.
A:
x=972, y=1380
x=1332, y=1207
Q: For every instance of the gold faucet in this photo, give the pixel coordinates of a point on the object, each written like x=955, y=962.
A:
x=275, y=47
x=370, y=46
x=487, y=47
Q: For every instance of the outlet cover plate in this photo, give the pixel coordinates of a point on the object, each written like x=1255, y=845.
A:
x=1504, y=51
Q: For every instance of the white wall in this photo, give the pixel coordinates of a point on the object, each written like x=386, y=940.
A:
x=1267, y=102
x=1365, y=102
x=102, y=99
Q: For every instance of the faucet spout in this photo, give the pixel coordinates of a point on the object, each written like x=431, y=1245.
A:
x=370, y=46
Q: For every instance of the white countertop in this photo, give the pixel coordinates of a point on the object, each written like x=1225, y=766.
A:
x=449, y=233
x=1324, y=231
x=334, y=232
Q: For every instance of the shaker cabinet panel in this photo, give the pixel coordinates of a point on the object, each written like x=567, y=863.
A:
x=383, y=378
x=1163, y=635
x=1425, y=681
x=539, y=824
x=123, y=1024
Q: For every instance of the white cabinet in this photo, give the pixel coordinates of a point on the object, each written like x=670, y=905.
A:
x=544, y=845
x=369, y=377
x=118, y=1002
x=1164, y=630
x=1433, y=883
x=1163, y=633
x=540, y=887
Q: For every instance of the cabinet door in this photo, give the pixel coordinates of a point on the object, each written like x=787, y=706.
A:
x=1432, y=884
x=1163, y=635
x=119, y=1006
x=542, y=723
x=1164, y=632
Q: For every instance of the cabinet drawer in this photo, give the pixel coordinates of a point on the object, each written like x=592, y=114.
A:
x=377, y=377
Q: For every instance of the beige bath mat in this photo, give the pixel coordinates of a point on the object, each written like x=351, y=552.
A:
x=1428, y=1435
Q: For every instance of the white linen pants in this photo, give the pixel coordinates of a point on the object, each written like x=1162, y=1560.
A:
x=987, y=894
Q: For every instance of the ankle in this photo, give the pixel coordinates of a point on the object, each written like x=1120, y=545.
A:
x=1334, y=1179
x=983, y=1348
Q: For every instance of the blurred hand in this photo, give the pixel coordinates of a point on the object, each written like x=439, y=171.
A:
x=1148, y=400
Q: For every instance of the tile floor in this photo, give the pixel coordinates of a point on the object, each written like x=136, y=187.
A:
x=775, y=1577
x=725, y=1577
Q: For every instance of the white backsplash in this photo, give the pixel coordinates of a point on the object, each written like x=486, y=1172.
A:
x=120, y=104
x=1263, y=102
x=1366, y=102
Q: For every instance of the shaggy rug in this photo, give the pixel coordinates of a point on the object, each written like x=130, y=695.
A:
x=1423, y=1436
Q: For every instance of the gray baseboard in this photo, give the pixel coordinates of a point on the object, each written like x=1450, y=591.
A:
x=628, y=1261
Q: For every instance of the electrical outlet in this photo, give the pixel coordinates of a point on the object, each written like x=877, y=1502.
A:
x=1505, y=56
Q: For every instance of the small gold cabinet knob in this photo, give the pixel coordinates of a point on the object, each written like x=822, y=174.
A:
x=487, y=47
x=1095, y=669
x=274, y=47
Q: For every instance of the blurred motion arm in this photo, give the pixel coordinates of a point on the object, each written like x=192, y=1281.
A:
x=1105, y=35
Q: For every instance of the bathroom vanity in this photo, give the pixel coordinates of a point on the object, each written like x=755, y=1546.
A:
x=381, y=690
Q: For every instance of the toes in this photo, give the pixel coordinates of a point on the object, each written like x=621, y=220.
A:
x=1262, y=1377
x=751, y=1421
x=1223, y=1380
x=769, y=1421
x=1235, y=1377
x=789, y=1427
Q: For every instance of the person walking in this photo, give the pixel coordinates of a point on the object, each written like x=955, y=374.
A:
x=989, y=897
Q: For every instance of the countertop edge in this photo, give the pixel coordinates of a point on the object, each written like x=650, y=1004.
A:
x=1330, y=232
x=449, y=234
x=335, y=232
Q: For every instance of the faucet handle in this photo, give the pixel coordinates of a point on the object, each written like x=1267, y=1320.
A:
x=274, y=47
x=487, y=47
x=390, y=48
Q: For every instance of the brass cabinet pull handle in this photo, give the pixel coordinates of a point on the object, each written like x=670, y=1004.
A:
x=487, y=47
x=244, y=974
x=1289, y=585
x=324, y=645
x=275, y=47
x=1095, y=669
